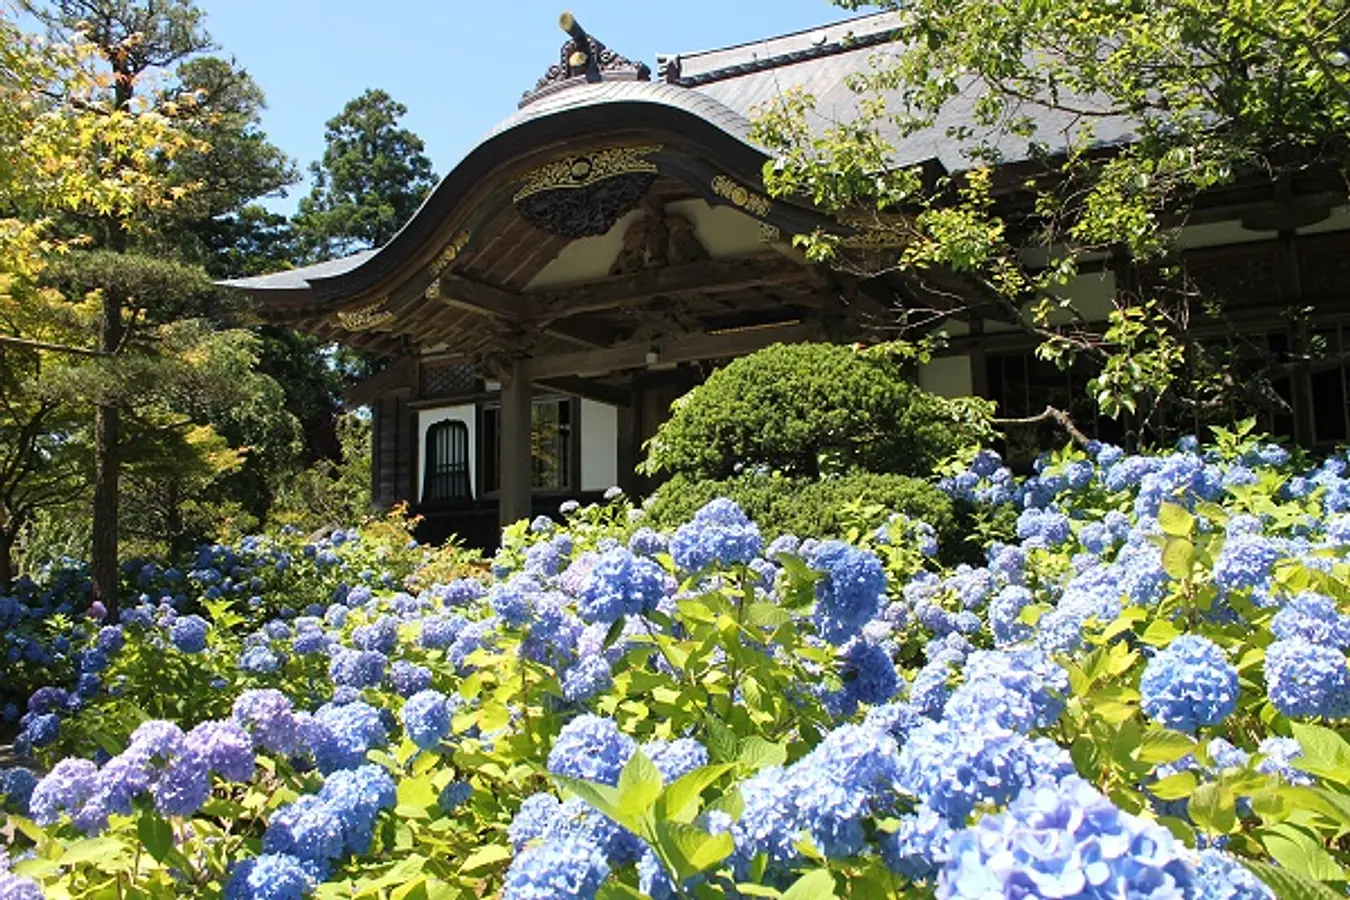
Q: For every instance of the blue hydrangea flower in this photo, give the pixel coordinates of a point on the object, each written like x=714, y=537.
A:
x=592, y=748
x=183, y=785
x=357, y=668
x=426, y=718
x=307, y=829
x=646, y=542
x=357, y=796
x=1307, y=680
x=16, y=887
x=380, y=635
x=533, y=820
x=1278, y=755
x=1004, y=611
x=409, y=678
x=268, y=877
x=259, y=660
x=343, y=735
x=42, y=730
x=1021, y=690
x=16, y=784
x=954, y=767
x=1313, y=618
x=188, y=634
x=918, y=848
x=677, y=758
x=850, y=591
x=439, y=632
x=620, y=584
x=267, y=714
x=719, y=534
x=868, y=674
x=513, y=601
x=454, y=795
x=62, y=790
x=578, y=820
x=587, y=677
x=1065, y=840
x=1245, y=562
x=462, y=592
x=1189, y=684
x=225, y=747
x=556, y=870
x=1219, y=876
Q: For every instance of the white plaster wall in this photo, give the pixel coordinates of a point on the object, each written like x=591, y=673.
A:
x=1215, y=233
x=947, y=376
x=428, y=417
x=585, y=259
x=599, y=446
x=723, y=230
x=1339, y=220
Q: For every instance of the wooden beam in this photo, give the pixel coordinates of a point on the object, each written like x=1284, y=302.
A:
x=588, y=389
x=705, y=277
x=517, y=470
x=486, y=299
x=678, y=349
x=399, y=375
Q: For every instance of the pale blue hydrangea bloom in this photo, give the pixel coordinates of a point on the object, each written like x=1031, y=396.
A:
x=1065, y=840
x=1189, y=684
x=592, y=748
x=1306, y=680
x=556, y=870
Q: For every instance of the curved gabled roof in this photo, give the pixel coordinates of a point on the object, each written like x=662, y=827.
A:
x=581, y=110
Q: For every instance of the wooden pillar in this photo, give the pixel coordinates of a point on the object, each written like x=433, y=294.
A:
x=517, y=471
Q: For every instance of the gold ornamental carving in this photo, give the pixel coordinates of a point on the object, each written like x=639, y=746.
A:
x=769, y=234
x=742, y=196
x=449, y=254
x=583, y=171
x=366, y=318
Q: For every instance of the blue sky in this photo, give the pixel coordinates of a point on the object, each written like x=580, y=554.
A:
x=458, y=66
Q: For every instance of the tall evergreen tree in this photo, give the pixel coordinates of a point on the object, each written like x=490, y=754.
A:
x=373, y=176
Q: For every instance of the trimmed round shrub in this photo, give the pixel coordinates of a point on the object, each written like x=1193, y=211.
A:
x=807, y=410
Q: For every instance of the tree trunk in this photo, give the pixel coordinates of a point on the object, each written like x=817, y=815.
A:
x=106, y=465
x=7, y=537
x=107, y=457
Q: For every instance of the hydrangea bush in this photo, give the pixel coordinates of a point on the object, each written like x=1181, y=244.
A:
x=1142, y=692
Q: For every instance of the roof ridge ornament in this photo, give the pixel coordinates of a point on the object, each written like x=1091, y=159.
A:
x=584, y=60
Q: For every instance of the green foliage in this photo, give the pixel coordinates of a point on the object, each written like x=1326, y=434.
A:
x=329, y=492
x=806, y=410
x=1212, y=93
x=373, y=176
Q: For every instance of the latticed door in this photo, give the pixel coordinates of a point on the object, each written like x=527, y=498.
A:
x=445, y=477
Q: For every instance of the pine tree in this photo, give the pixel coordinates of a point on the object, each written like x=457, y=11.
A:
x=373, y=176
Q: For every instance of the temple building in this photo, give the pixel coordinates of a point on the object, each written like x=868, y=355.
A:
x=605, y=245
